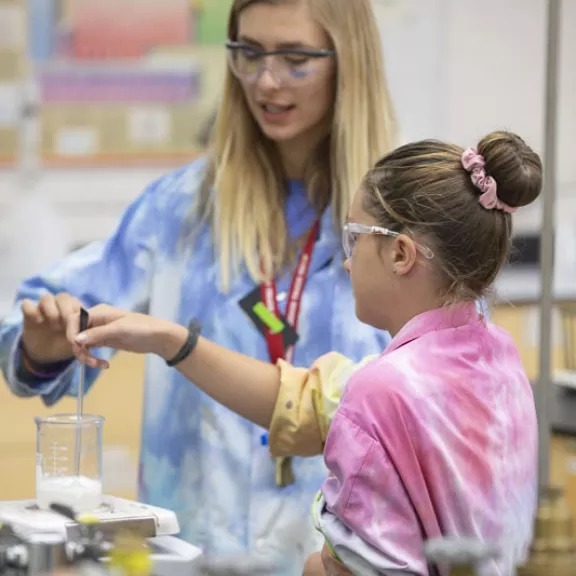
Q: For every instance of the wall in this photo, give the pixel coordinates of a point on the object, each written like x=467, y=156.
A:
x=413, y=33
x=460, y=68
x=497, y=72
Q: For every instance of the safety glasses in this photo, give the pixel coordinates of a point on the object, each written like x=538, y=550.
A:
x=352, y=230
x=287, y=67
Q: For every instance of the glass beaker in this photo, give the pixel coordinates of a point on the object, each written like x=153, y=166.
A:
x=57, y=480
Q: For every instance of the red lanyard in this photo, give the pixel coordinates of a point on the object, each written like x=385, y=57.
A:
x=275, y=341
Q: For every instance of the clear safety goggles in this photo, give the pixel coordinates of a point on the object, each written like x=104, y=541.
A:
x=351, y=231
x=287, y=67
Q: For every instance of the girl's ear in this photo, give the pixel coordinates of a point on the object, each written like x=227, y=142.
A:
x=403, y=253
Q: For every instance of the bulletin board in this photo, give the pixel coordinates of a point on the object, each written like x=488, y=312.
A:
x=12, y=61
x=122, y=86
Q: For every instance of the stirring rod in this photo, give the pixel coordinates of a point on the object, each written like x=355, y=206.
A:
x=80, y=399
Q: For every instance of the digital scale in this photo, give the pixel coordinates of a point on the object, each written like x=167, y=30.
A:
x=72, y=525
x=32, y=529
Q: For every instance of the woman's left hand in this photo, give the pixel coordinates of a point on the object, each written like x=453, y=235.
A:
x=121, y=330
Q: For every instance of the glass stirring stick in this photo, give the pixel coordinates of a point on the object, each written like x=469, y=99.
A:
x=80, y=400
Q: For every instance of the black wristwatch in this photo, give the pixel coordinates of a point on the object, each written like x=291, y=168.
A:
x=194, y=329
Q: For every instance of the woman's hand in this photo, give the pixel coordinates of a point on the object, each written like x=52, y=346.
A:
x=44, y=327
x=121, y=330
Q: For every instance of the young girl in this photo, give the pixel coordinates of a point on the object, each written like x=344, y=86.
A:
x=435, y=437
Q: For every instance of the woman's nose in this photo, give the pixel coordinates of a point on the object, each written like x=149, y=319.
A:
x=267, y=80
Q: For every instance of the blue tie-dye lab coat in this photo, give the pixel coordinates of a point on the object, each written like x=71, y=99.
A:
x=197, y=458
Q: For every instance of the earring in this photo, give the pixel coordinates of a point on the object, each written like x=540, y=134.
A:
x=393, y=270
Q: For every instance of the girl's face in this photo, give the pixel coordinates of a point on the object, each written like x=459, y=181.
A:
x=391, y=275
x=370, y=267
x=290, y=94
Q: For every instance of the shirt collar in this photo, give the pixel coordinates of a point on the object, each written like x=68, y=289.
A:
x=435, y=320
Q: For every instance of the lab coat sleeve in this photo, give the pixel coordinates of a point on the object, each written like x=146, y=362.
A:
x=368, y=516
x=117, y=271
x=306, y=403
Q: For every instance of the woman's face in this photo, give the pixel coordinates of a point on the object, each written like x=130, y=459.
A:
x=292, y=95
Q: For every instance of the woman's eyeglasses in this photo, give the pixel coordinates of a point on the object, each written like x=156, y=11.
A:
x=351, y=231
x=289, y=66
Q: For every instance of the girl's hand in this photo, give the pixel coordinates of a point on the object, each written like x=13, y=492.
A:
x=333, y=567
x=324, y=564
x=114, y=328
x=313, y=566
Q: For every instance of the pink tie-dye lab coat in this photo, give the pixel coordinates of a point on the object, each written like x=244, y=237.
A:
x=437, y=437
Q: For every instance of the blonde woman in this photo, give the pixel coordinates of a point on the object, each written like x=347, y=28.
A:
x=245, y=244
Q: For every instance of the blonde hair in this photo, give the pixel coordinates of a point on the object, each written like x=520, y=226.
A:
x=245, y=207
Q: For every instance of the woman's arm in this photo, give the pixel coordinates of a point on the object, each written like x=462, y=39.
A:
x=297, y=404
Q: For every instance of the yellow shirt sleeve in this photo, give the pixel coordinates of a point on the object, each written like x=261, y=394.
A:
x=307, y=401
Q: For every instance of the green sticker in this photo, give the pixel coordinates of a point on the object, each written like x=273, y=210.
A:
x=273, y=323
x=265, y=320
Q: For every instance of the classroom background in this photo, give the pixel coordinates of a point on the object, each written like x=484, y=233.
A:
x=95, y=102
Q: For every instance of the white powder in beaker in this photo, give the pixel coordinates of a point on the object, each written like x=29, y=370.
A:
x=80, y=493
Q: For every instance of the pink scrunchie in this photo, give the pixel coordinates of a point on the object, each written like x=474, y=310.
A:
x=474, y=163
